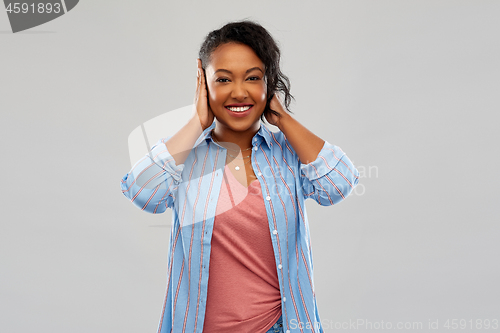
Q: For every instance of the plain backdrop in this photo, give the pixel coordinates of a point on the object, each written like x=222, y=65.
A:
x=408, y=89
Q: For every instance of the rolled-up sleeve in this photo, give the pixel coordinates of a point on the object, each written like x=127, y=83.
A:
x=152, y=182
x=330, y=178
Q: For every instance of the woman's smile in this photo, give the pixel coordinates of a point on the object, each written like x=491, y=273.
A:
x=239, y=109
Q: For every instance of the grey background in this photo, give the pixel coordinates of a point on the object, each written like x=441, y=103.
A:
x=408, y=88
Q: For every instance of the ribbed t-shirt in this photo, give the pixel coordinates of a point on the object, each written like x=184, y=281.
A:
x=243, y=288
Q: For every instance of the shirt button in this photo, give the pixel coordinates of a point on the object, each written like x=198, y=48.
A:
x=255, y=148
x=284, y=299
x=268, y=198
x=259, y=173
x=279, y=266
x=287, y=331
x=254, y=139
x=275, y=232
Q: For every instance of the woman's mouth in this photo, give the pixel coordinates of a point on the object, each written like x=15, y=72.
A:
x=239, y=111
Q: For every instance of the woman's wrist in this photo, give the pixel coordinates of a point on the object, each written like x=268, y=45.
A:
x=283, y=121
x=195, y=123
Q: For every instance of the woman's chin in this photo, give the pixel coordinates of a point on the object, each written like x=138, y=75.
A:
x=241, y=125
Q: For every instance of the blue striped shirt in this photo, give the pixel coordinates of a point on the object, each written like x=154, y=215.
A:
x=192, y=189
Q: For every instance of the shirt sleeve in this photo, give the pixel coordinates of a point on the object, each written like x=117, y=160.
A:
x=330, y=178
x=152, y=182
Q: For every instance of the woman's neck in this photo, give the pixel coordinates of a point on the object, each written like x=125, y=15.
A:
x=229, y=138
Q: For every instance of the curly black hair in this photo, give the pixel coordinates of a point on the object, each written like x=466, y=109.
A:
x=258, y=38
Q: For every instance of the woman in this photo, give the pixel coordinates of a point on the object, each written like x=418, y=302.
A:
x=240, y=258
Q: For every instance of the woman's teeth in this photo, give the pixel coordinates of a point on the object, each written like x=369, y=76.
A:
x=239, y=108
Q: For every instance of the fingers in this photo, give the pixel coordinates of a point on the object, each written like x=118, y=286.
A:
x=198, y=66
x=201, y=91
x=199, y=77
x=200, y=71
x=202, y=84
x=202, y=76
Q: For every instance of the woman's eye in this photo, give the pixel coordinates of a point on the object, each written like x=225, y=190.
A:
x=254, y=78
x=222, y=80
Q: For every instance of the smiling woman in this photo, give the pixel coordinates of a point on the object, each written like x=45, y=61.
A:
x=237, y=98
x=240, y=258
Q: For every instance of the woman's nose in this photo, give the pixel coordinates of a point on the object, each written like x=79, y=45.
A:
x=239, y=92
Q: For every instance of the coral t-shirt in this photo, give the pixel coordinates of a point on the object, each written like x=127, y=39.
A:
x=243, y=288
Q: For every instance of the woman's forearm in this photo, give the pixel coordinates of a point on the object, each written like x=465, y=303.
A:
x=181, y=143
x=306, y=144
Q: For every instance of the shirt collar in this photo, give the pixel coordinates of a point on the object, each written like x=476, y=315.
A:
x=263, y=134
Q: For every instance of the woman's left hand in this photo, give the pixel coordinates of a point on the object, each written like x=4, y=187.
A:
x=277, y=106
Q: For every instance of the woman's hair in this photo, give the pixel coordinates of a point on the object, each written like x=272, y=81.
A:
x=258, y=38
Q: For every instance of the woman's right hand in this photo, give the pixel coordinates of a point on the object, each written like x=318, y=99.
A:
x=203, y=109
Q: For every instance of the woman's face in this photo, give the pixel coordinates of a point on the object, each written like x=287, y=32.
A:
x=236, y=86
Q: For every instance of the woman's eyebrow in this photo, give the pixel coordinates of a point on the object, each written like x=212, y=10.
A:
x=248, y=70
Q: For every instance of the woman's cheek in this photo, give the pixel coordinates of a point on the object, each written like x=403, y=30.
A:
x=213, y=95
x=218, y=94
x=262, y=93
